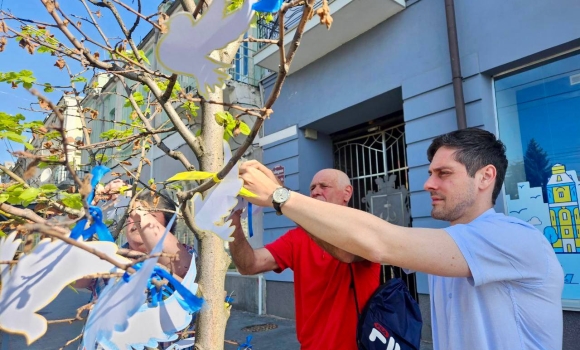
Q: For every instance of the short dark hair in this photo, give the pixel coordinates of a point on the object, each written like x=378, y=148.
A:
x=475, y=148
x=164, y=204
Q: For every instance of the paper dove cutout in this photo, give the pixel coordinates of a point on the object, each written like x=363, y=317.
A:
x=38, y=278
x=182, y=344
x=119, y=301
x=186, y=47
x=151, y=325
x=8, y=247
x=210, y=212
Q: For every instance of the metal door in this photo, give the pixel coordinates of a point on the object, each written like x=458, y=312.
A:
x=376, y=163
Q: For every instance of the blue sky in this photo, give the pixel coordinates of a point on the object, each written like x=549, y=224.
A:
x=15, y=58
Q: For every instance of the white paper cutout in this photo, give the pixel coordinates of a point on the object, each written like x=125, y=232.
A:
x=40, y=276
x=118, y=302
x=210, y=212
x=151, y=325
x=8, y=247
x=182, y=344
x=186, y=47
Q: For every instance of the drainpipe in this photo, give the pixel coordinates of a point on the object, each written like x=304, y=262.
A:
x=455, y=64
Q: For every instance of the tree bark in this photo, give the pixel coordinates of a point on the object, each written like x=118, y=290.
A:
x=214, y=260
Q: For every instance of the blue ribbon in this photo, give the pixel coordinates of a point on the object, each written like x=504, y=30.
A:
x=98, y=226
x=267, y=6
x=246, y=345
x=250, y=226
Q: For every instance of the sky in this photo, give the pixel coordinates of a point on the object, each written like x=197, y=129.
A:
x=14, y=58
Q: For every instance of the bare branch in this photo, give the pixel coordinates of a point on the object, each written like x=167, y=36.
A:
x=95, y=23
x=169, y=89
x=158, y=142
x=189, y=138
x=49, y=231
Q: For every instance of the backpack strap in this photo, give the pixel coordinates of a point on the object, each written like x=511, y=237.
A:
x=354, y=289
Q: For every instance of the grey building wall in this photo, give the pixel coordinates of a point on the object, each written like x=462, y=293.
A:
x=407, y=56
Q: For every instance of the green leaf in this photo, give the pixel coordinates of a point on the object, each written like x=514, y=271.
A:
x=48, y=188
x=198, y=132
x=79, y=79
x=151, y=182
x=72, y=200
x=28, y=146
x=48, y=88
x=143, y=56
x=73, y=288
x=4, y=197
x=244, y=128
x=108, y=222
x=138, y=99
x=2, y=234
x=221, y=118
x=29, y=194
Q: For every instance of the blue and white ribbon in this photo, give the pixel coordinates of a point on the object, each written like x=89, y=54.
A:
x=97, y=227
x=190, y=302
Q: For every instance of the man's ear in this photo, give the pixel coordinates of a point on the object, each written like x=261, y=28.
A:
x=487, y=176
x=347, y=193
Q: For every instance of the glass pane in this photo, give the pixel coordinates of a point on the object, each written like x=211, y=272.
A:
x=539, y=121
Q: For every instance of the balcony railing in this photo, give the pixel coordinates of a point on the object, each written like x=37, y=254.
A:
x=63, y=179
x=271, y=30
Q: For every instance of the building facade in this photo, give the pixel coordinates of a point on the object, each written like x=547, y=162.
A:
x=368, y=96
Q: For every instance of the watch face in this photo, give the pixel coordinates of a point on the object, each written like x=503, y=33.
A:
x=281, y=195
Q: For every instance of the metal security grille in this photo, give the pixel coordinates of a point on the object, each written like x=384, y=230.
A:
x=376, y=163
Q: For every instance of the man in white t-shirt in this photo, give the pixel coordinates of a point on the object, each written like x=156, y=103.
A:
x=495, y=280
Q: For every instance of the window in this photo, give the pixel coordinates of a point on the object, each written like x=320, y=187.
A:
x=538, y=115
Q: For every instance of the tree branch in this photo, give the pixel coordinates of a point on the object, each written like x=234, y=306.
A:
x=158, y=142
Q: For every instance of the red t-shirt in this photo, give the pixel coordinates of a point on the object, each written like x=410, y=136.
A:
x=326, y=315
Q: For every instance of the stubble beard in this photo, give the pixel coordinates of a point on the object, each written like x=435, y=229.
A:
x=453, y=214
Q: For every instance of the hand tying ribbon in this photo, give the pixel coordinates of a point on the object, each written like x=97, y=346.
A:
x=97, y=226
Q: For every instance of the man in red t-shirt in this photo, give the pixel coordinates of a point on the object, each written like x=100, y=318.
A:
x=326, y=312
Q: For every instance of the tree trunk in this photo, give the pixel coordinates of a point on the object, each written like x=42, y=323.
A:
x=214, y=260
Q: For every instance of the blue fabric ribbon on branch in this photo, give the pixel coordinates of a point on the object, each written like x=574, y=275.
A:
x=267, y=6
x=246, y=345
x=97, y=227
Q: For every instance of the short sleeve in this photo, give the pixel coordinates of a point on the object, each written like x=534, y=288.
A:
x=283, y=250
x=501, y=249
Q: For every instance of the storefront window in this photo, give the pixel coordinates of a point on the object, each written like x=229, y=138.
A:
x=538, y=114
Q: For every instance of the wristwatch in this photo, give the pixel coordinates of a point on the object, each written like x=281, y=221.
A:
x=279, y=197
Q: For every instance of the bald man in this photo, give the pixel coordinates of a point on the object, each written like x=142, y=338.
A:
x=326, y=310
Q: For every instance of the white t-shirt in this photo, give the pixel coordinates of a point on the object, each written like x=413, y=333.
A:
x=513, y=300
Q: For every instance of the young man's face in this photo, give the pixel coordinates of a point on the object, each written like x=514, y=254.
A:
x=453, y=191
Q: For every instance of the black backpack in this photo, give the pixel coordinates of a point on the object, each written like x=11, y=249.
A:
x=391, y=319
